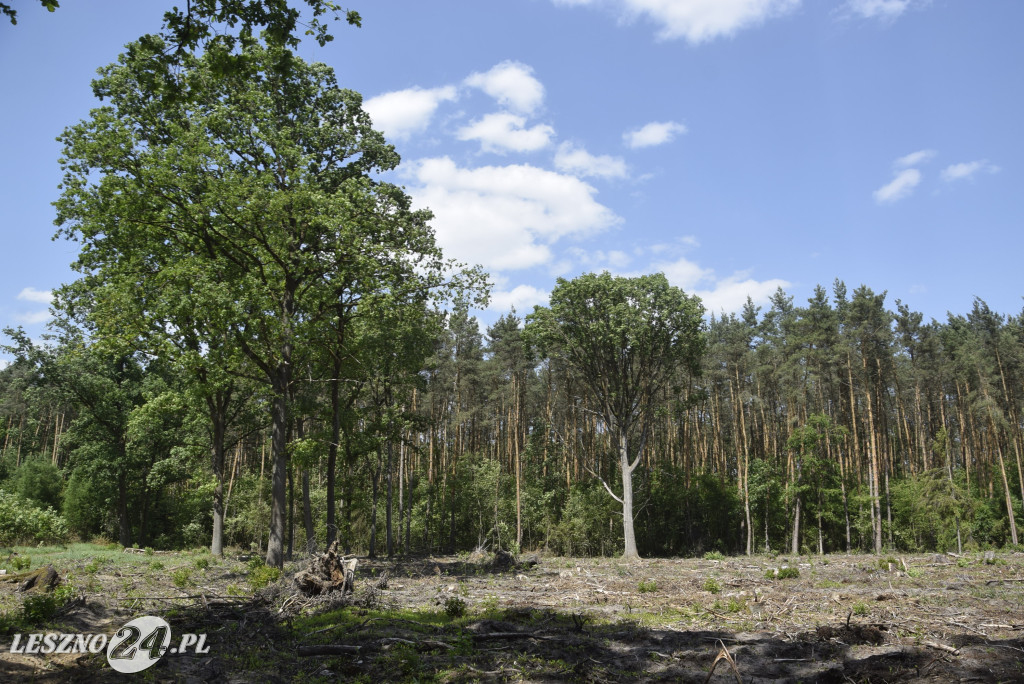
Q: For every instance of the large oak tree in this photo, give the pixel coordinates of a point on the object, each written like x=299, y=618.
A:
x=632, y=341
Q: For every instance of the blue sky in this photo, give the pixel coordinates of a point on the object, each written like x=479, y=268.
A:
x=736, y=145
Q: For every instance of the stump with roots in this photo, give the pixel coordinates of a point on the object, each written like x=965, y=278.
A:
x=327, y=572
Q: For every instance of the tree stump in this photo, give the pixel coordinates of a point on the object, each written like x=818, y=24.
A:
x=40, y=579
x=327, y=572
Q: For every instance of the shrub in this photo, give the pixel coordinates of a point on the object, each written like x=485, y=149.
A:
x=20, y=521
x=646, y=587
x=714, y=555
x=261, y=576
x=788, y=573
x=712, y=585
x=38, y=482
x=454, y=607
x=182, y=577
x=40, y=608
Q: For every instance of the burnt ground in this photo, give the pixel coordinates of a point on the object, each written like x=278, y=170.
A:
x=857, y=618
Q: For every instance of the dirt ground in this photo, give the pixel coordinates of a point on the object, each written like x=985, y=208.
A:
x=901, y=618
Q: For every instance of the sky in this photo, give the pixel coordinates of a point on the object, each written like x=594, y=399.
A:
x=738, y=146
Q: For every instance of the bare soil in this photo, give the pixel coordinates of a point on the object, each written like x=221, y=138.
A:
x=920, y=618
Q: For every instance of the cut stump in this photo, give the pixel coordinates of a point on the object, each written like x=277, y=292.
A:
x=328, y=572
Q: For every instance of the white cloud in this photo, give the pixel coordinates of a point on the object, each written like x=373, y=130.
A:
x=33, y=318
x=503, y=132
x=522, y=297
x=654, y=133
x=613, y=260
x=901, y=186
x=967, y=170
x=914, y=158
x=886, y=10
x=579, y=162
x=727, y=294
x=730, y=295
x=30, y=294
x=403, y=113
x=512, y=84
x=699, y=21
x=505, y=217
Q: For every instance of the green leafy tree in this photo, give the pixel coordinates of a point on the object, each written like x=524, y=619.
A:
x=260, y=179
x=632, y=341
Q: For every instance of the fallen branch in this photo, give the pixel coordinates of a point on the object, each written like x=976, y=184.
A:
x=347, y=649
x=941, y=647
x=514, y=635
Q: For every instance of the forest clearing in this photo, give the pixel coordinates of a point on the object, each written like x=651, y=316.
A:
x=473, y=617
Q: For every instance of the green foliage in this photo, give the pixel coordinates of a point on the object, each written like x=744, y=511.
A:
x=782, y=573
x=18, y=563
x=182, y=577
x=860, y=609
x=38, y=609
x=260, y=575
x=21, y=522
x=454, y=607
x=647, y=586
x=711, y=585
x=39, y=482
x=714, y=555
x=587, y=525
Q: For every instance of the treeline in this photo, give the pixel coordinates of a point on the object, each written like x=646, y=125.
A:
x=839, y=425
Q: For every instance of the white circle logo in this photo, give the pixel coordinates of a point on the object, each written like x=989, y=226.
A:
x=138, y=644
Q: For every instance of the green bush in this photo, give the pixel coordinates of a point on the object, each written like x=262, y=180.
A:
x=39, y=482
x=647, y=587
x=455, y=607
x=21, y=522
x=182, y=577
x=711, y=585
x=40, y=608
x=260, y=575
x=714, y=555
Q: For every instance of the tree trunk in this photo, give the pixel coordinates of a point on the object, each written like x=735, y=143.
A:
x=796, y=529
x=332, y=451
x=628, y=533
x=390, y=542
x=279, y=474
x=373, y=505
x=218, y=417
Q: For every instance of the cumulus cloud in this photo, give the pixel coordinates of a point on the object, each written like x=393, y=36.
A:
x=727, y=294
x=403, y=113
x=512, y=84
x=886, y=10
x=503, y=132
x=968, y=170
x=900, y=186
x=914, y=158
x=33, y=318
x=30, y=294
x=654, y=133
x=579, y=162
x=522, y=297
x=505, y=217
x=614, y=260
x=699, y=21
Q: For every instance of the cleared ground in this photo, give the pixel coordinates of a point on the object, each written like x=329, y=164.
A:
x=897, y=618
